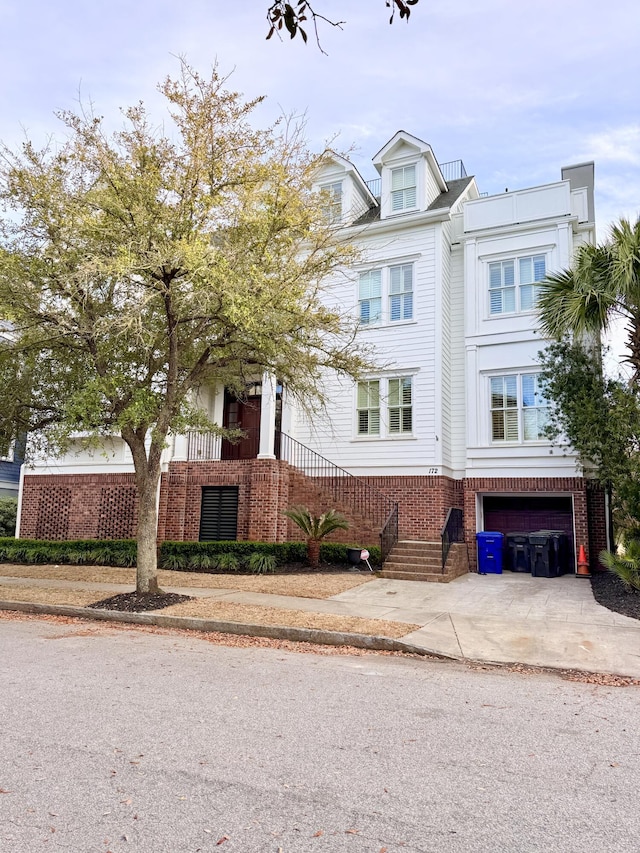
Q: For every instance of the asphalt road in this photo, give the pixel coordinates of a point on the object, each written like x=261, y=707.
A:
x=124, y=741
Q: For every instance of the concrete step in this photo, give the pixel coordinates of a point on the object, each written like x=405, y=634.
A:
x=422, y=566
x=416, y=555
x=414, y=576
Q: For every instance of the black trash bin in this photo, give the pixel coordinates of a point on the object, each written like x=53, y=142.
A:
x=543, y=556
x=518, y=558
x=489, y=552
x=354, y=555
x=560, y=557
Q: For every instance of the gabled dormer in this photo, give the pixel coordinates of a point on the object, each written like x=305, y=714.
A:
x=410, y=176
x=347, y=195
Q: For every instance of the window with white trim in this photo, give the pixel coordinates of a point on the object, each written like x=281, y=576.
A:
x=403, y=188
x=370, y=297
x=518, y=408
x=400, y=405
x=392, y=397
x=400, y=292
x=369, y=407
x=514, y=284
x=333, y=201
x=386, y=295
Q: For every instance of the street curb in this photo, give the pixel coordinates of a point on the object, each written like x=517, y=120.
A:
x=188, y=623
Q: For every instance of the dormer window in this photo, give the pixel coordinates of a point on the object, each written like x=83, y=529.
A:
x=333, y=201
x=403, y=188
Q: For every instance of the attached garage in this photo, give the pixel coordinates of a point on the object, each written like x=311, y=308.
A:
x=525, y=514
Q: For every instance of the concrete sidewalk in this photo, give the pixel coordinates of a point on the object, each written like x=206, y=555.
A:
x=508, y=618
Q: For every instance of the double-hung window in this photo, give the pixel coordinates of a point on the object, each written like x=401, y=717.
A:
x=370, y=296
x=401, y=292
x=333, y=201
x=385, y=407
x=400, y=405
x=514, y=284
x=518, y=408
x=403, y=188
x=386, y=295
x=369, y=407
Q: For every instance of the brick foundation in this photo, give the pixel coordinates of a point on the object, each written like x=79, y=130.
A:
x=79, y=506
x=101, y=506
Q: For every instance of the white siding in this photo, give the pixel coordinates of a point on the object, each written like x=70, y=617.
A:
x=404, y=348
x=457, y=401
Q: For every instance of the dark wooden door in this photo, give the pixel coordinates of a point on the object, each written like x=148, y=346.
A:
x=244, y=415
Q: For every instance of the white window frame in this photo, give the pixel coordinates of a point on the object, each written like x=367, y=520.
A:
x=385, y=407
x=511, y=286
x=403, y=182
x=333, y=206
x=400, y=405
x=385, y=291
x=368, y=407
x=370, y=297
x=523, y=407
x=401, y=292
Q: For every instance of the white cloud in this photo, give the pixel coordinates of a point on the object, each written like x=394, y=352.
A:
x=617, y=145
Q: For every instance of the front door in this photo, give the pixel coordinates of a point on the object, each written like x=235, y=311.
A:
x=244, y=415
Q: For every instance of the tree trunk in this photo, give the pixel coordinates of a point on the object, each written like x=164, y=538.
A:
x=147, y=537
x=147, y=468
x=313, y=552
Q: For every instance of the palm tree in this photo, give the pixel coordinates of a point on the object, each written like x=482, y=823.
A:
x=603, y=283
x=625, y=565
x=316, y=527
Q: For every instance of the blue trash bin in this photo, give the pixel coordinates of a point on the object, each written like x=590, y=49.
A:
x=489, y=552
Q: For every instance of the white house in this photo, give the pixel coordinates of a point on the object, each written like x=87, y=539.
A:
x=446, y=292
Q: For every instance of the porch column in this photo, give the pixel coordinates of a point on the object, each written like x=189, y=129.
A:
x=267, y=417
x=180, y=448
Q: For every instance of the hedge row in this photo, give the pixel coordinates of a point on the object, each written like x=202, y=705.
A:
x=179, y=556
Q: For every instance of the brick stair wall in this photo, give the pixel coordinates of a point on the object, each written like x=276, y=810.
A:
x=305, y=491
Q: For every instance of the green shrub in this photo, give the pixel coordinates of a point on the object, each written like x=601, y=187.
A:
x=262, y=564
x=336, y=552
x=227, y=562
x=8, y=515
x=117, y=552
x=202, y=562
x=174, y=562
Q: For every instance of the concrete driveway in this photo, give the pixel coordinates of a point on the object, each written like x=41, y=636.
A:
x=509, y=618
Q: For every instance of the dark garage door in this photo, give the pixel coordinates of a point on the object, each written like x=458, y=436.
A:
x=219, y=513
x=525, y=514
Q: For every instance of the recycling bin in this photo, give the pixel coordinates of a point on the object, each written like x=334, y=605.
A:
x=517, y=552
x=489, y=552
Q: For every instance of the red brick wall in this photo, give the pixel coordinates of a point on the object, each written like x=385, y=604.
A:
x=85, y=506
x=596, y=515
x=423, y=503
x=79, y=506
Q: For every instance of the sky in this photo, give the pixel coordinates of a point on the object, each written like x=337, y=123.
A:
x=515, y=89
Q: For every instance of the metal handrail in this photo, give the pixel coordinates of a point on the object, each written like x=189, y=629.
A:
x=451, y=532
x=345, y=488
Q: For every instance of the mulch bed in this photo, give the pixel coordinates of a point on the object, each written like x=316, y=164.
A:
x=610, y=592
x=132, y=602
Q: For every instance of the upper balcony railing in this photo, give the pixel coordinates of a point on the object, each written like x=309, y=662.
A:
x=452, y=170
x=375, y=186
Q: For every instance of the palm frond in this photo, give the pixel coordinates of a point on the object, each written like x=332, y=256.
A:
x=582, y=299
